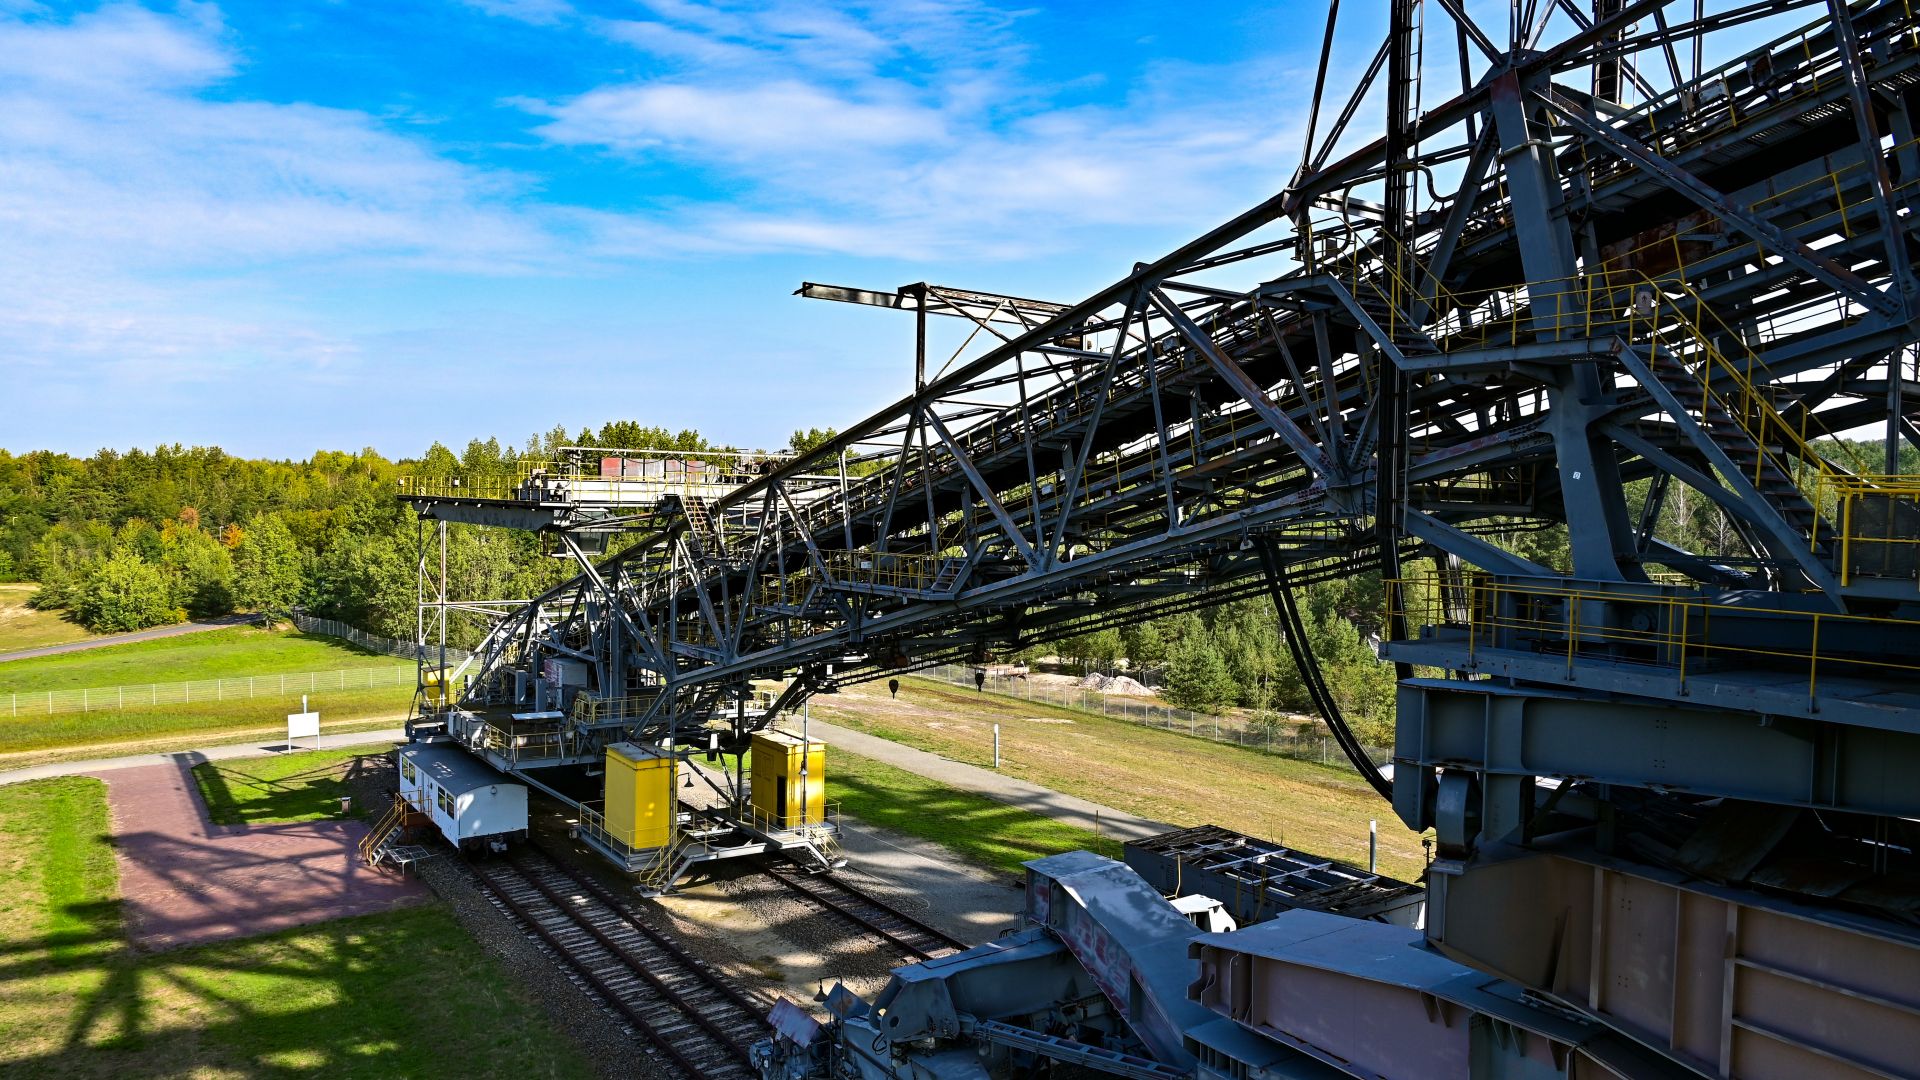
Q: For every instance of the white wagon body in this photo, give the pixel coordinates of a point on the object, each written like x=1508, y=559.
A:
x=470, y=804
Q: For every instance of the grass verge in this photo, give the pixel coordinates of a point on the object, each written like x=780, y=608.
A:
x=1157, y=774
x=210, y=654
x=103, y=729
x=972, y=826
x=21, y=627
x=375, y=996
x=281, y=789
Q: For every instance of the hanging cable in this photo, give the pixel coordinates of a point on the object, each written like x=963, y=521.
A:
x=1294, y=632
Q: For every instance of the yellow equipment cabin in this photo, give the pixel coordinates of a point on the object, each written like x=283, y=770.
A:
x=640, y=805
x=779, y=798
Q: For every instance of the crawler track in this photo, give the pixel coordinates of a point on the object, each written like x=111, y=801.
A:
x=913, y=937
x=700, y=1023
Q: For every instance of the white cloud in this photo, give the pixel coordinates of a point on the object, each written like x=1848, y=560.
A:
x=144, y=221
x=538, y=12
x=783, y=117
x=918, y=129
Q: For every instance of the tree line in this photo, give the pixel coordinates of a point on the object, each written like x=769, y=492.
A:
x=127, y=540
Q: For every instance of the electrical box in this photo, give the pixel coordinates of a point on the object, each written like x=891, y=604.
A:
x=640, y=805
x=780, y=797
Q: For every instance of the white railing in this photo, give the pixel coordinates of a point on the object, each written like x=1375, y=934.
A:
x=204, y=691
x=1303, y=738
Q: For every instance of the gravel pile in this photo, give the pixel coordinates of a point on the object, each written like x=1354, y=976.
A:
x=1124, y=685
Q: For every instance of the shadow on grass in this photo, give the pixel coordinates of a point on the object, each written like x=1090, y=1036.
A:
x=979, y=829
x=353, y=998
x=249, y=792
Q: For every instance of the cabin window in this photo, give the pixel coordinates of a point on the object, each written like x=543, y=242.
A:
x=446, y=802
x=408, y=772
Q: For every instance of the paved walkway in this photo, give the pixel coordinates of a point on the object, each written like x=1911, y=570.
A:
x=138, y=635
x=185, y=880
x=210, y=753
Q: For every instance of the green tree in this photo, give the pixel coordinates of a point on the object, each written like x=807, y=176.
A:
x=125, y=593
x=1143, y=644
x=1098, y=649
x=268, y=568
x=1197, y=676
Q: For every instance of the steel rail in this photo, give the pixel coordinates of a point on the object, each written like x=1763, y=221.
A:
x=497, y=879
x=834, y=895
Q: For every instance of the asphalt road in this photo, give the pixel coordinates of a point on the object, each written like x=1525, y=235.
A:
x=137, y=635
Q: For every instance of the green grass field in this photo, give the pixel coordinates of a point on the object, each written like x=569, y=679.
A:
x=1157, y=774
x=21, y=627
x=103, y=732
x=974, y=827
x=211, y=654
x=377, y=996
x=282, y=789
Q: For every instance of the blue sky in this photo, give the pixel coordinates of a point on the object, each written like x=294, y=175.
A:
x=286, y=226
x=281, y=227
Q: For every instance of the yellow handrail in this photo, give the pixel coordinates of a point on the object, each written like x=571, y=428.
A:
x=1678, y=629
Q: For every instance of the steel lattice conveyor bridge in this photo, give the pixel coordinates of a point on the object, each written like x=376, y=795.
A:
x=1529, y=306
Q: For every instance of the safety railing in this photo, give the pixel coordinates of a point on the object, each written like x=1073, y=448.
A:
x=524, y=746
x=589, y=710
x=795, y=823
x=885, y=570
x=1653, y=626
x=496, y=488
x=592, y=821
x=1879, y=527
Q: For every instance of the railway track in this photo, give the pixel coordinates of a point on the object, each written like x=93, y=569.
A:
x=699, y=1022
x=830, y=893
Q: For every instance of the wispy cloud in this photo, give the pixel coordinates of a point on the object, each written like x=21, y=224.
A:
x=917, y=129
x=136, y=208
x=538, y=12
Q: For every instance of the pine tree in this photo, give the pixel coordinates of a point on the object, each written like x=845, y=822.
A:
x=1197, y=676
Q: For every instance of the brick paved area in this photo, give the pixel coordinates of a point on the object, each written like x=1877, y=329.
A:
x=185, y=880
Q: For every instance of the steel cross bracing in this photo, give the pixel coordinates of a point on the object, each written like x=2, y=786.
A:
x=1109, y=458
x=1583, y=278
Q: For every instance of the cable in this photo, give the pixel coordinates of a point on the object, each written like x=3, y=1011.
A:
x=1295, y=633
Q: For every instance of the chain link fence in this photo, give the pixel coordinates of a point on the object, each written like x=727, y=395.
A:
x=1299, y=737
x=205, y=691
x=373, y=642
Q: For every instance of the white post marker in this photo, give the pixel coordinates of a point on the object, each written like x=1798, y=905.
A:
x=996, y=746
x=303, y=725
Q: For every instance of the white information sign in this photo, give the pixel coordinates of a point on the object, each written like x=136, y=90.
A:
x=303, y=725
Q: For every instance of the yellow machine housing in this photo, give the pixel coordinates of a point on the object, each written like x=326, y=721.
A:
x=433, y=687
x=778, y=798
x=640, y=806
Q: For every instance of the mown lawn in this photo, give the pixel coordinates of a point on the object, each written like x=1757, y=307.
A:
x=21, y=627
x=1154, y=773
x=407, y=993
x=974, y=827
x=284, y=788
x=230, y=653
x=102, y=731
